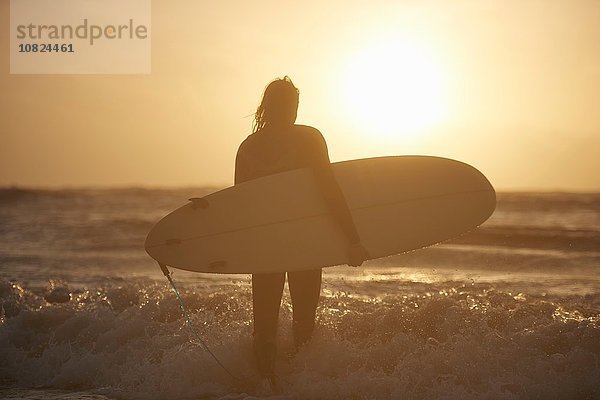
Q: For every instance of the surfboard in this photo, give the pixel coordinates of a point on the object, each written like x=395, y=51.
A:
x=281, y=223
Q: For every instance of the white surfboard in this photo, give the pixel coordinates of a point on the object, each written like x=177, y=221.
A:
x=280, y=222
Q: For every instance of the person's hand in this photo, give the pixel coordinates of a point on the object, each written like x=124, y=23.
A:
x=357, y=254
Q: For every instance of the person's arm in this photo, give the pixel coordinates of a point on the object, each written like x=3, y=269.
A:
x=334, y=198
x=240, y=174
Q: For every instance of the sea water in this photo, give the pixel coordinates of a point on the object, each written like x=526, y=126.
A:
x=509, y=311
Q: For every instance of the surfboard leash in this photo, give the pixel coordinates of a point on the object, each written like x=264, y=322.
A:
x=167, y=273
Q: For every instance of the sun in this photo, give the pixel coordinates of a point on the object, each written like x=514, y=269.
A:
x=393, y=87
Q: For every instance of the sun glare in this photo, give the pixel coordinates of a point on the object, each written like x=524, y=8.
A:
x=393, y=88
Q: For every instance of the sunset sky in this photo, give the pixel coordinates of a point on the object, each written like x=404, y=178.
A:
x=510, y=87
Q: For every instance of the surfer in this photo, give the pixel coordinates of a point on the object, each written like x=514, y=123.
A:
x=277, y=144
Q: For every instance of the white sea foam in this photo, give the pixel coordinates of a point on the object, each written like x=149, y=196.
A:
x=434, y=341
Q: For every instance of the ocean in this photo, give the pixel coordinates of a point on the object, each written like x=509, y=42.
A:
x=508, y=311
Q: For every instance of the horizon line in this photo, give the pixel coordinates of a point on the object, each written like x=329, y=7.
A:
x=215, y=186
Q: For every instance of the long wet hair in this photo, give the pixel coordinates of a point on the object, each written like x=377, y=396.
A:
x=279, y=104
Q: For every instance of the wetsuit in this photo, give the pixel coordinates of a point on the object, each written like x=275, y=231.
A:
x=267, y=152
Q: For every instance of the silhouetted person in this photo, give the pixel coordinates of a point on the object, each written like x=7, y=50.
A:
x=278, y=145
